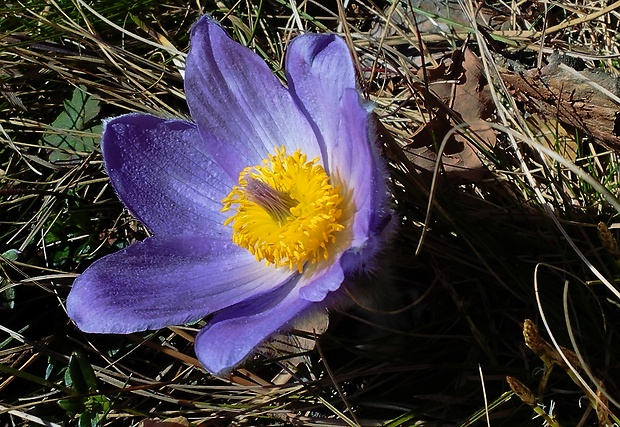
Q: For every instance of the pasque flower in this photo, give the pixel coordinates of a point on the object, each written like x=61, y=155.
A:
x=260, y=209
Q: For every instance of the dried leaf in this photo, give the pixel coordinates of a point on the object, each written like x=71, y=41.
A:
x=431, y=16
x=459, y=85
x=458, y=159
x=296, y=344
x=473, y=100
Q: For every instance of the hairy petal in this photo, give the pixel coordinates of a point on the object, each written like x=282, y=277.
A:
x=162, y=173
x=234, y=333
x=322, y=80
x=358, y=164
x=166, y=281
x=319, y=70
x=319, y=283
x=238, y=103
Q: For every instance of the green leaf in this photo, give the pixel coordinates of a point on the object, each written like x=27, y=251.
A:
x=99, y=403
x=82, y=108
x=7, y=297
x=80, y=375
x=88, y=420
x=11, y=254
x=72, y=405
x=55, y=369
x=72, y=128
x=87, y=372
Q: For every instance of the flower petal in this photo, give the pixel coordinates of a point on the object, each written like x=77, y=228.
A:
x=167, y=281
x=234, y=333
x=358, y=164
x=319, y=284
x=161, y=172
x=321, y=77
x=353, y=161
x=238, y=103
x=319, y=70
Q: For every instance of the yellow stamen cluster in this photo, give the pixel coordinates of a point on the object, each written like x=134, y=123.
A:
x=287, y=210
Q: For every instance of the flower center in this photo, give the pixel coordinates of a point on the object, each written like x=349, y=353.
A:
x=287, y=210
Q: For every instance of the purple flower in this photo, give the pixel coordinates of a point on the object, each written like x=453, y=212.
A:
x=259, y=209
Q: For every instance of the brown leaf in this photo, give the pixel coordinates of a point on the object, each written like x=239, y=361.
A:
x=459, y=82
x=473, y=100
x=448, y=12
x=295, y=344
x=458, y=158
x=460, y=91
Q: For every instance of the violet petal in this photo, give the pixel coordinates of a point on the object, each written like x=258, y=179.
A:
x=167, y=281
x=320, y=283
x=357, y=160
x=234, y=333
x=347, y=133
x=319, y=69
x=238, y=103
x=353, y=162
x=162, y=174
